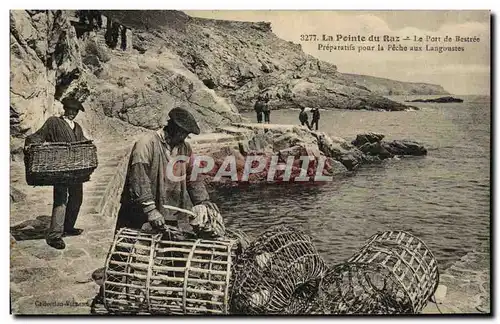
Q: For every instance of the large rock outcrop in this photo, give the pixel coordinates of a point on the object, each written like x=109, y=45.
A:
x=140, y=89
x=46, y=66
x=241, y=60
x=54, y=55
x=372, y=145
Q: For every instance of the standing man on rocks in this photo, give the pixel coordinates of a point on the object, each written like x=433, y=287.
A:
x=259, y=107
x=315, y=118
x=67, y=198
x=266, y=110
x=304, y=119
x=148, y=185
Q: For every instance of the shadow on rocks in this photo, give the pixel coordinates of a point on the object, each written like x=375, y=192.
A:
x=32, y=229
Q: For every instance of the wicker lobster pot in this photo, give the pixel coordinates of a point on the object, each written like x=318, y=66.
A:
x=394, y=273
x=278, y=273
x=148, y=274
x=59, y=163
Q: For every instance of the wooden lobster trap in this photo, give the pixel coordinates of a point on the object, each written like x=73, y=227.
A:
x=48, y=164
x=393, y=273
x=146, y=273
x=278, y=273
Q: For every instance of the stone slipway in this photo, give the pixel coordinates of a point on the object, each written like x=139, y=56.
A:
x=465, y=286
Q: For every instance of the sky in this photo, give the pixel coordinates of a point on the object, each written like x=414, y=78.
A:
x=459, y=72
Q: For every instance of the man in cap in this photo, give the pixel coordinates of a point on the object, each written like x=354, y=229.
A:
x=148, y=184
x=258, y=107
x=303, y=117
x=67, y=198
x=265, y=109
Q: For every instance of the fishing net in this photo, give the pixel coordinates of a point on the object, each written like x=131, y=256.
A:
x=355, y=288
x=242, y=239
x=393, y=273
x=278, y=273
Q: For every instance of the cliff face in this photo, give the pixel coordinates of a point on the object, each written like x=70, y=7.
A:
x=241, y=60
x=389, y=87
x=45, y=66
x=55, y=56
x=140, y=89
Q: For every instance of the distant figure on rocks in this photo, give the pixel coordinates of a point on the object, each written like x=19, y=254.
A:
x=90, y=17
x=123, y=36
x=67, y=198
x=266, y=110
x=148, y=185
x=111, y=35
x=315, y=118
x=259, y=107
x=95, y=15
x=304, y=119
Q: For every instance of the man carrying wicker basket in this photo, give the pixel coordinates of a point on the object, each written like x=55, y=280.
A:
x=67, y=198
x=148, y=186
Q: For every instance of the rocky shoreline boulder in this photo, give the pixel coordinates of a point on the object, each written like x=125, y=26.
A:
x=283, y=143
x=371, y=144
x=404, y=147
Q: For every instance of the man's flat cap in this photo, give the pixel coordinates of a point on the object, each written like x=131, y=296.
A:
x=184, y=119
x=72, y=103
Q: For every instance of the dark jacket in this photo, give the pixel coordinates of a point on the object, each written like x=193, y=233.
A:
x=303, y=116
x=259, y=106
x=56, y=129
x=315, y=114
x=265, y=106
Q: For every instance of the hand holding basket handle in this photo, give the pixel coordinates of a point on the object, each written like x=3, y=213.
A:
x=32, y=144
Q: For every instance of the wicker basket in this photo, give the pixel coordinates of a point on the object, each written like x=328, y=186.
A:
x=394, y=273
x=147, y=274
x=59, y=163
x=278, y=273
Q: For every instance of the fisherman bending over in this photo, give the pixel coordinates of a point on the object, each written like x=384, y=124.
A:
x=148, y=185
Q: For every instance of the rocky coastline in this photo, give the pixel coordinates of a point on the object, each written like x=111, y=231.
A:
x=216, y=69
x=447, y=99
x=334, y=155
x=387, y=87
x=136, y=64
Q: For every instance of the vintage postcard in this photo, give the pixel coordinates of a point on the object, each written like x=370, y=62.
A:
x=265, y=162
